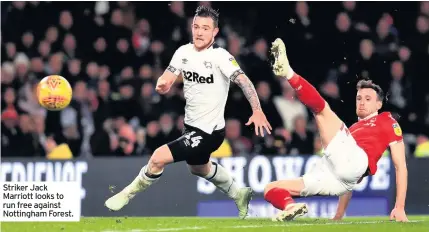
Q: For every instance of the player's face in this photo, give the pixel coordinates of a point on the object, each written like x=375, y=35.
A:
x=203, y=32
x=367, y=102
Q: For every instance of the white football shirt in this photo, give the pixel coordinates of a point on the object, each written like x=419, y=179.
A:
x=206, y=78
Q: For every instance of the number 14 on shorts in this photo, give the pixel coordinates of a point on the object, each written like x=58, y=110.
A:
x=195, y=140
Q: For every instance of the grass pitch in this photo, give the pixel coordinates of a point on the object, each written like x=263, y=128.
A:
x=165, y=224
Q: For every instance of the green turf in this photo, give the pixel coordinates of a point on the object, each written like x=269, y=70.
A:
x=165, y=224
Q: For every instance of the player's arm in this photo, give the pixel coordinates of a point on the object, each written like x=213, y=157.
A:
x=166, y=80
x=398, y=156
x=397, y=150
x=230, y=68
x=249, y=91
x=258, y=117
x=343, y=202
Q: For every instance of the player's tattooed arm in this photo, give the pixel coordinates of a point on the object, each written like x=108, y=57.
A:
x=248, y=89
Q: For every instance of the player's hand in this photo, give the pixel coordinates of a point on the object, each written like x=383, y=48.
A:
x=162, y=86
x=260, y=121
x=399, y=215
x=337, y=217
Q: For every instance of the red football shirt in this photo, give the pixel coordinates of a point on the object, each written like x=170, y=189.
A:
x=374, y=134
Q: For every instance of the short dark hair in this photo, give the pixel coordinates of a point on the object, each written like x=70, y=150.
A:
x=205, y=11
x=368, y=84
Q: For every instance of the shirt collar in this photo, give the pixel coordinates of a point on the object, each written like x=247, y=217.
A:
x=369, y=116
x=212, y=45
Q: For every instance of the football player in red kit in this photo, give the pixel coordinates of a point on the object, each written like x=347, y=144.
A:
x=349, y=154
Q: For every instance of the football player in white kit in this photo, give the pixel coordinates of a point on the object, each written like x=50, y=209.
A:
x=207, y=71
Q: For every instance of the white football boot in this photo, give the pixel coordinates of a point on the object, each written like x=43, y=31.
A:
x=281, y=65
x=291, y=212
x=119, y=200
x=242, y=200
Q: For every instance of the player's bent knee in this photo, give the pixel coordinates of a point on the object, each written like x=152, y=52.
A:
x=199, y=173
x=268, y=187
x=294, y=186
x=161, y=157
x=200, y=170
x=195, y=171
x=156, y=162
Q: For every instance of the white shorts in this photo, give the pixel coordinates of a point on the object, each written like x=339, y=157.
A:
x=340, y=168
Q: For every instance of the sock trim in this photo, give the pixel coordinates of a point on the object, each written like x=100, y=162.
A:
x=294, y=81
x=215, y=172
x=153, y=176
x=150, y=176
x=290, y=73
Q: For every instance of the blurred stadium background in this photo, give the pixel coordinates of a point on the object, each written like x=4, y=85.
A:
x=113, y=52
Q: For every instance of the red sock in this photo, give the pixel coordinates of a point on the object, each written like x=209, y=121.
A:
x=307, y=94
x=279, y=198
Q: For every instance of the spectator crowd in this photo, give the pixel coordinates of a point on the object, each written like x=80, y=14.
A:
x=113, y=52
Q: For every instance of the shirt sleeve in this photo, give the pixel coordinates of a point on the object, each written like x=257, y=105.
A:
x=394, y=131
x=175, y=65
x=228, y=65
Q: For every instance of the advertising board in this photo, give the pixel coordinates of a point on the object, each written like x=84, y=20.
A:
x=179, y=193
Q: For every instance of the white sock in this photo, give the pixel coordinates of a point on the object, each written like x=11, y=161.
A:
x=222, y=180
x=150, y=179
x=290, y=73
x=142, y=181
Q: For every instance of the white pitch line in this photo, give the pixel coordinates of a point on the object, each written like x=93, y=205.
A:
x=250, y=226
x=304, y=224
x=175, y=229
x=157, y=230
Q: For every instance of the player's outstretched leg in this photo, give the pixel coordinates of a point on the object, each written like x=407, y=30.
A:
x=148, y=175
x=217, y=175
x=280, y=194
x=327, y=121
